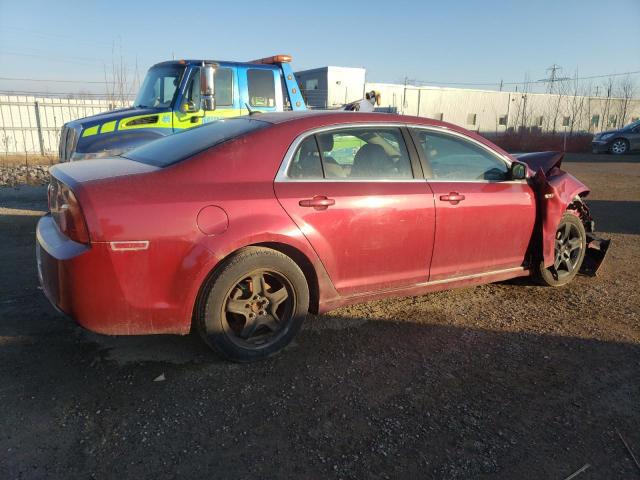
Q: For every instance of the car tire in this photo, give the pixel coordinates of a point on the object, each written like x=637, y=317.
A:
x=569, y=251
x=619, y=146
x=253, y=305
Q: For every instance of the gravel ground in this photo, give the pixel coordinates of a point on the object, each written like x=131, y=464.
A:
x=507, y=380
x=13, y=176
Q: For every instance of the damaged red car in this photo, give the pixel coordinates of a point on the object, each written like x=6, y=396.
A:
x=241, y=227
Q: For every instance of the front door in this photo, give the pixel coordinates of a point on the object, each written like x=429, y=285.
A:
x=484, y=221
x=353, y=194
x=226, y=101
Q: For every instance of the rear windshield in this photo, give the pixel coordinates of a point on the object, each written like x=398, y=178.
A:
x=180, y=146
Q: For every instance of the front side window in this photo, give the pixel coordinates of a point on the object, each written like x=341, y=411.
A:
x=223, y=84
x=262, y=89
x=223, y=81
x=159, y=87
x=355, y=153
x=454, y=159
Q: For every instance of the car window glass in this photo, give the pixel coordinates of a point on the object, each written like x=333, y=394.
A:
x=306, y=161
x=223, y=83
x=193, y=91
x=261, y=85
x=223, y=88
x=453, y=158
x=365, y=153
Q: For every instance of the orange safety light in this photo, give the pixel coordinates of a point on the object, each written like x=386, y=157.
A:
x=273, y=59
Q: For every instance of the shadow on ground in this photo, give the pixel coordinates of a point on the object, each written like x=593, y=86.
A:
x=405, y=395
x=616, y=216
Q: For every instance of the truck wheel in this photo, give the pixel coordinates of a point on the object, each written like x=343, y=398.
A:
x=570, y=247
x=253, y=305
x=619, y=146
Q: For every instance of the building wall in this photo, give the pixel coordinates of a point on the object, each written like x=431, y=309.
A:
x=330, y=87
x=496, y=112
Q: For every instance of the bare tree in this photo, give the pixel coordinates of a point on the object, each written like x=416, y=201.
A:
x=606, y=109
x=625, y=92
x=522, y=112
x=576, y=104
x=118, y=84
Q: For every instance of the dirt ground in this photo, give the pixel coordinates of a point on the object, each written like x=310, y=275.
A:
x=507, y=380
x=28, y=160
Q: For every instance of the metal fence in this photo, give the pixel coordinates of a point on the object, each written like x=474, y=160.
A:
x=31, y=125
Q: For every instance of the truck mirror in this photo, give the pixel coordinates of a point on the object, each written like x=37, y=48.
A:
x=207, y=87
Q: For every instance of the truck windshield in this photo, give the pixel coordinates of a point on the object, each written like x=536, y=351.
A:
x=182, y=145
x=159, y=86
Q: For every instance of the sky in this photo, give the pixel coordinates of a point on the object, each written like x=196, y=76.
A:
x=423, y=41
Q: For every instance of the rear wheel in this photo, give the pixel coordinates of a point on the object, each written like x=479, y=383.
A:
x=619, y=146
x=254, y=305
x=569, y=250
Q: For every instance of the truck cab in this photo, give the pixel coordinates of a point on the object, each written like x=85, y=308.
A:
x=181, y=94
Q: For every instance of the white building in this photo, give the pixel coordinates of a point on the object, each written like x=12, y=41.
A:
x=485, y=111
x=328, y=87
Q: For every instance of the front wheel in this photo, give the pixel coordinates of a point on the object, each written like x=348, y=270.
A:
x=619, y=146
x=254, y=305
x=569, y=250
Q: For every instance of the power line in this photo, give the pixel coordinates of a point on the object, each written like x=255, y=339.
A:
x=544, y=80
x=102, y=82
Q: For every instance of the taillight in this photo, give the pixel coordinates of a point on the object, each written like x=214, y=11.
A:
x=66, y=212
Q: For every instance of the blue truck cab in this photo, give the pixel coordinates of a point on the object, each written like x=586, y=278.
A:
x=181, y=94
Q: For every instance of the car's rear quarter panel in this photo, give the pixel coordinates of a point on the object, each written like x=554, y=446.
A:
x=155, y=290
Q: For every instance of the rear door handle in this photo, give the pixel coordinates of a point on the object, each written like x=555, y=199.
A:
x=454, y=198
x=319, y=202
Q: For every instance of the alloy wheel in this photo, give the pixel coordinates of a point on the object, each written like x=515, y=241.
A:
x=618, y=147
x=258, y=309
x=568, y=248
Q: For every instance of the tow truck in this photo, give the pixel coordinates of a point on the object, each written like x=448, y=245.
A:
x=180, y=94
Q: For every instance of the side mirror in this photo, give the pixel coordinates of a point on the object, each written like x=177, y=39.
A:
x=188, y=107
x=207, y=87
x=518, y=171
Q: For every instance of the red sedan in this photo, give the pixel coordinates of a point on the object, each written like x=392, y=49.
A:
x=243, y=226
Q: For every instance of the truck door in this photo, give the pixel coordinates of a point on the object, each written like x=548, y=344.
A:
x=261, y=90
x=226, y=95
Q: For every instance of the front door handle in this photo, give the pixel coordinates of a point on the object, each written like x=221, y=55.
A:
x=454, y=198
x=319, y=202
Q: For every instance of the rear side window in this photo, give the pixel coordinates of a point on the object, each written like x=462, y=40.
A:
x=306, y=161
x=365, y=153
x=180, y=146
x=453, y=158
x=359, y=154
x=262, y=89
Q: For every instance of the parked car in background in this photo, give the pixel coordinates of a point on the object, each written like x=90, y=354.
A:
x=241, y=227
x=619, y=141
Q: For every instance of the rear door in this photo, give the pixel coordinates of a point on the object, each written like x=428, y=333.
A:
x=484, y=221
x=358, y=198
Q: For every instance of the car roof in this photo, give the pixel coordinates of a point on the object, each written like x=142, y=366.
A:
x=329, y=117
x=311, y=119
